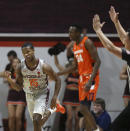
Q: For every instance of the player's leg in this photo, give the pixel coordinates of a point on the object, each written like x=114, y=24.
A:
x=41, y=112
x=45, y=117
x=40, y=106
x=48, y=112
x=11, y=115
x=81, y=125
x=30, y=104
x=88, y=118
x=41, y=117
x=37, y=121
x=19, y=112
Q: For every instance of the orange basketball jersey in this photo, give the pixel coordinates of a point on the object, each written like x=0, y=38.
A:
x=85, y=68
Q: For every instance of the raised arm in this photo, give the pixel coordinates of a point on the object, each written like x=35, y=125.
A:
x=53, y=76
x=60, y=67
x=94, y=54
x=120, y=30
x=123, y=74
x=105, y=41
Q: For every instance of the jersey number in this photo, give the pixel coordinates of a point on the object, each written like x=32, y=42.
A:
x=33, y=82
x=79, y=58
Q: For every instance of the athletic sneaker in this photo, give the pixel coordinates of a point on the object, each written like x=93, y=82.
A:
x=60, y=108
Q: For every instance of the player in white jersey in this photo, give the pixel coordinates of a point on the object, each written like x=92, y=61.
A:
x=32, y=74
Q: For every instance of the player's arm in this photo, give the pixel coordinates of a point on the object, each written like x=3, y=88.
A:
x=60, y=67
x=123, y=74
x=6, y=70
x=53, y=76
x=120, y=30
x=18, y=83
x=69, y=69
x=4, y=74
x=89, y=45
x=70, y=45
x=69, y=49
x=105, y=41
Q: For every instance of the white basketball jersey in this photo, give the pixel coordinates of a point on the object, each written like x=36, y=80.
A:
x=34, y=81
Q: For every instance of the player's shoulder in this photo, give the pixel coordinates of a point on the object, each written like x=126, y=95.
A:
x=88, y=43
x=47, y=68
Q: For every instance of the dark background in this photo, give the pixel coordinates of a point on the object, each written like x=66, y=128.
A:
x=55, y=16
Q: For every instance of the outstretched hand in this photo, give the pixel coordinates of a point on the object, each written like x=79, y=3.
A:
x=5, y=74
x=97, y=25
x=113, y=14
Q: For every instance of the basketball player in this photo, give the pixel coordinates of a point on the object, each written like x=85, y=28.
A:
x=121, y=53
x=32, y=74
x=122, y=121
x=88, y=62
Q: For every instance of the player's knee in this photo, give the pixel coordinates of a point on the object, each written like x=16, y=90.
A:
x=84, y=109
x=37, y=119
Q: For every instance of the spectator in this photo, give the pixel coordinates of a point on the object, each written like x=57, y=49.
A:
x=16, y=101
x=102, y=118
x=11, y=55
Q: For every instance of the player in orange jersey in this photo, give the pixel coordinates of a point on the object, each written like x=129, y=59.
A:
x=88, y=63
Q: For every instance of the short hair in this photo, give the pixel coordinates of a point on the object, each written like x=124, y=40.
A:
x=27, y=44
x=12, y=53
x=101, y=102
x=78, y=28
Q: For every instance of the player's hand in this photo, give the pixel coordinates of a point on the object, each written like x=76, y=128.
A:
x=113, y=14
x=5, y=74
x=97, y=25
x=53, y=102
x=88, y=86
